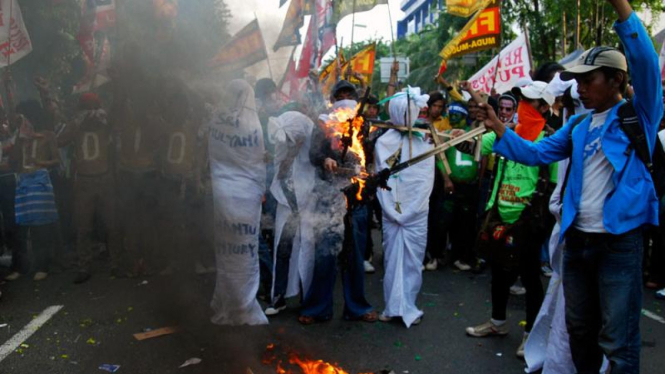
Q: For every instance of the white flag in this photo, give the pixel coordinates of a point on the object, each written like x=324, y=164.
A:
x=14, y=39
x=512, y=62
x=661, y=59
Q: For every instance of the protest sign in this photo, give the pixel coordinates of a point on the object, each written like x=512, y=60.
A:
x=512, y=63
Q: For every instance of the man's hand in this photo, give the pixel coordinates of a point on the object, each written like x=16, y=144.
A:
x=456, y=133
x=465, y=86
x=329, y=165
x=487, y=115
x=448, y=186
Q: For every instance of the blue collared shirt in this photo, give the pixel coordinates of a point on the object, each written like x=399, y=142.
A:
x=633, y=202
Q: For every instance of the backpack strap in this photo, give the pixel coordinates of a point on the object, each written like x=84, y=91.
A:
x=630, y=125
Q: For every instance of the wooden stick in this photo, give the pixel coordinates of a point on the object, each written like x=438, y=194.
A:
x=441, y=156
x=414, y=129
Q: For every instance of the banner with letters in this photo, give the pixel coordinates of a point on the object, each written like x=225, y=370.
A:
x=463, y=8
x=14, y=39
x=483, y=31
x=503, y=72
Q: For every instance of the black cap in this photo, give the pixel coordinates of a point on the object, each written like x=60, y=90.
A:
x=343, y=86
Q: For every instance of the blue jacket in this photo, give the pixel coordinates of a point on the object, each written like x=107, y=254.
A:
x=633, y=201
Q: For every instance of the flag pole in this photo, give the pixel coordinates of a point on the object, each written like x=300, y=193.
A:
x=353, y=29
x=392, y=32
x=265, y=49
x=9, y=33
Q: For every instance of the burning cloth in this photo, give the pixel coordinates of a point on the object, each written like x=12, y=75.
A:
x=292, y=187
x=405, y=209
x=238, y=179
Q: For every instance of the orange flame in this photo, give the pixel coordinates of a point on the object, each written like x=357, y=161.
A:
x=315, y=367
x=338, y=126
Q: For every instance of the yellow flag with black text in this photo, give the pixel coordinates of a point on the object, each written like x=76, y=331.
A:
x=483, y=31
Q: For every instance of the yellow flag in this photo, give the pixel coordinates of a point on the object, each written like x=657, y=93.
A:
x=483, y=31
x=362, y=63
x=463, y=8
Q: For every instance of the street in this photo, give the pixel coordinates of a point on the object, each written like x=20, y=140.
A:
x=98, y=319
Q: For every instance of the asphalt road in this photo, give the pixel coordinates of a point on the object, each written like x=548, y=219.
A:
x=98, y=319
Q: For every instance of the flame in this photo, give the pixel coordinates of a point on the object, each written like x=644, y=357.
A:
x=338, y=126
x=361, y=187
x=315, y=366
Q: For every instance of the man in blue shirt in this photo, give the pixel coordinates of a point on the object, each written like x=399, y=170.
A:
x=609, y=195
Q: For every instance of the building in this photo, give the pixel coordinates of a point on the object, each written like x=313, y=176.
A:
x=419, y=13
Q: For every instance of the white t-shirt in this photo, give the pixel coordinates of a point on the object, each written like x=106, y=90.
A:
x=597, y=181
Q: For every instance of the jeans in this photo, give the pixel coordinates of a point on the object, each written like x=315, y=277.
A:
x=42, y=240
x=318, y=302
x=602, y=278
x=462, y=229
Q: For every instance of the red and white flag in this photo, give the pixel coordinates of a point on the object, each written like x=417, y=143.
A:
x=512, y=63
x=14, y=39
x=96, y=74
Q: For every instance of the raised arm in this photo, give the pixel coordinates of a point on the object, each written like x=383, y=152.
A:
x=643, y=67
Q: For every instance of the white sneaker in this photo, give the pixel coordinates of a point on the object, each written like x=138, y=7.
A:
x=369, y=268
x=520, y=350
x=385, y=318
x=462, y=266
x=517, y=290
x=432, y=265
x=13, y=276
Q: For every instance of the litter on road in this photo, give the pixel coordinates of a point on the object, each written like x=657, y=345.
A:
x=191, y=361
x=156, y=333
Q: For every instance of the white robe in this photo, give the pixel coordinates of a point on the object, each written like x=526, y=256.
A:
x=286, y=130
x=238, y=177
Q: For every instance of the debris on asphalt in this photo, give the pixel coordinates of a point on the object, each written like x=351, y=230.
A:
x=3, y=325
x=143, y=283
x=398, y=344
x=77, y=338
x=64, y=357
x=191, y=361
x=86, y=322
x=499, y=354
x=109, y=368
x=418, y=358
x=522, y=323
x=653, y=316
x=91, y=341
x=156, y=333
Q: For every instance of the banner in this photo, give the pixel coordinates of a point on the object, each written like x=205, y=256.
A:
x=294, y=20
x=245, y=48
x=362, y=63
x=14, y=39
x=483, y=31
x=96, y=75
x=99, y=15
x=308, y=56
x=326, y=27
x=512, y=63
x=463, y=8
x=343, y=8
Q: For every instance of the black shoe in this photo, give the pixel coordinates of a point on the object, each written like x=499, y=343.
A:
x=81, y=277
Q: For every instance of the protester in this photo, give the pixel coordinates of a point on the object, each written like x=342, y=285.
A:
x=507, y=109
x=511, y=231
x=94, y=183
x=463, y=197
x=405, y=210
x=336, y=226
x=293, y=261
x=35, y=152
x=601, y=235
x=8, y=188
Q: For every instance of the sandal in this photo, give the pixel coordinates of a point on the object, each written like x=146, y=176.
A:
x=370, y=317
x=306, y=320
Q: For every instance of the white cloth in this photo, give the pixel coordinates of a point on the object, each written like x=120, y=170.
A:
x=597, y=182
x=238, y=178
x=292, y=135
x=405, y=211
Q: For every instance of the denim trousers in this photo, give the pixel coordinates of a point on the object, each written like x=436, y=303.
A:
x=318, y=302
x=602, y=279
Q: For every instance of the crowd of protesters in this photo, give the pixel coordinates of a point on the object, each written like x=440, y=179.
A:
x=166, y=181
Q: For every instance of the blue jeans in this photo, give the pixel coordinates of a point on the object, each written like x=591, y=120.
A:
x=318, y=302
x=602, y=277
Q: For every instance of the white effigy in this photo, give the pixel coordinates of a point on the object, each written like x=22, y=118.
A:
x=238, y=173
x=405, y=209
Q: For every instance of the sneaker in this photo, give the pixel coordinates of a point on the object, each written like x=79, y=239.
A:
x=277, y=306
x=520, y=350
x=517, y=290
x=432, y=265
x=384, y=318
x=660, y=294
x=81, y=277
x=487, y=329
x=417, y=321
x=40, y=276
x=369, y=268
x=546, y=270
x=13, y=276
x=462, y=266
